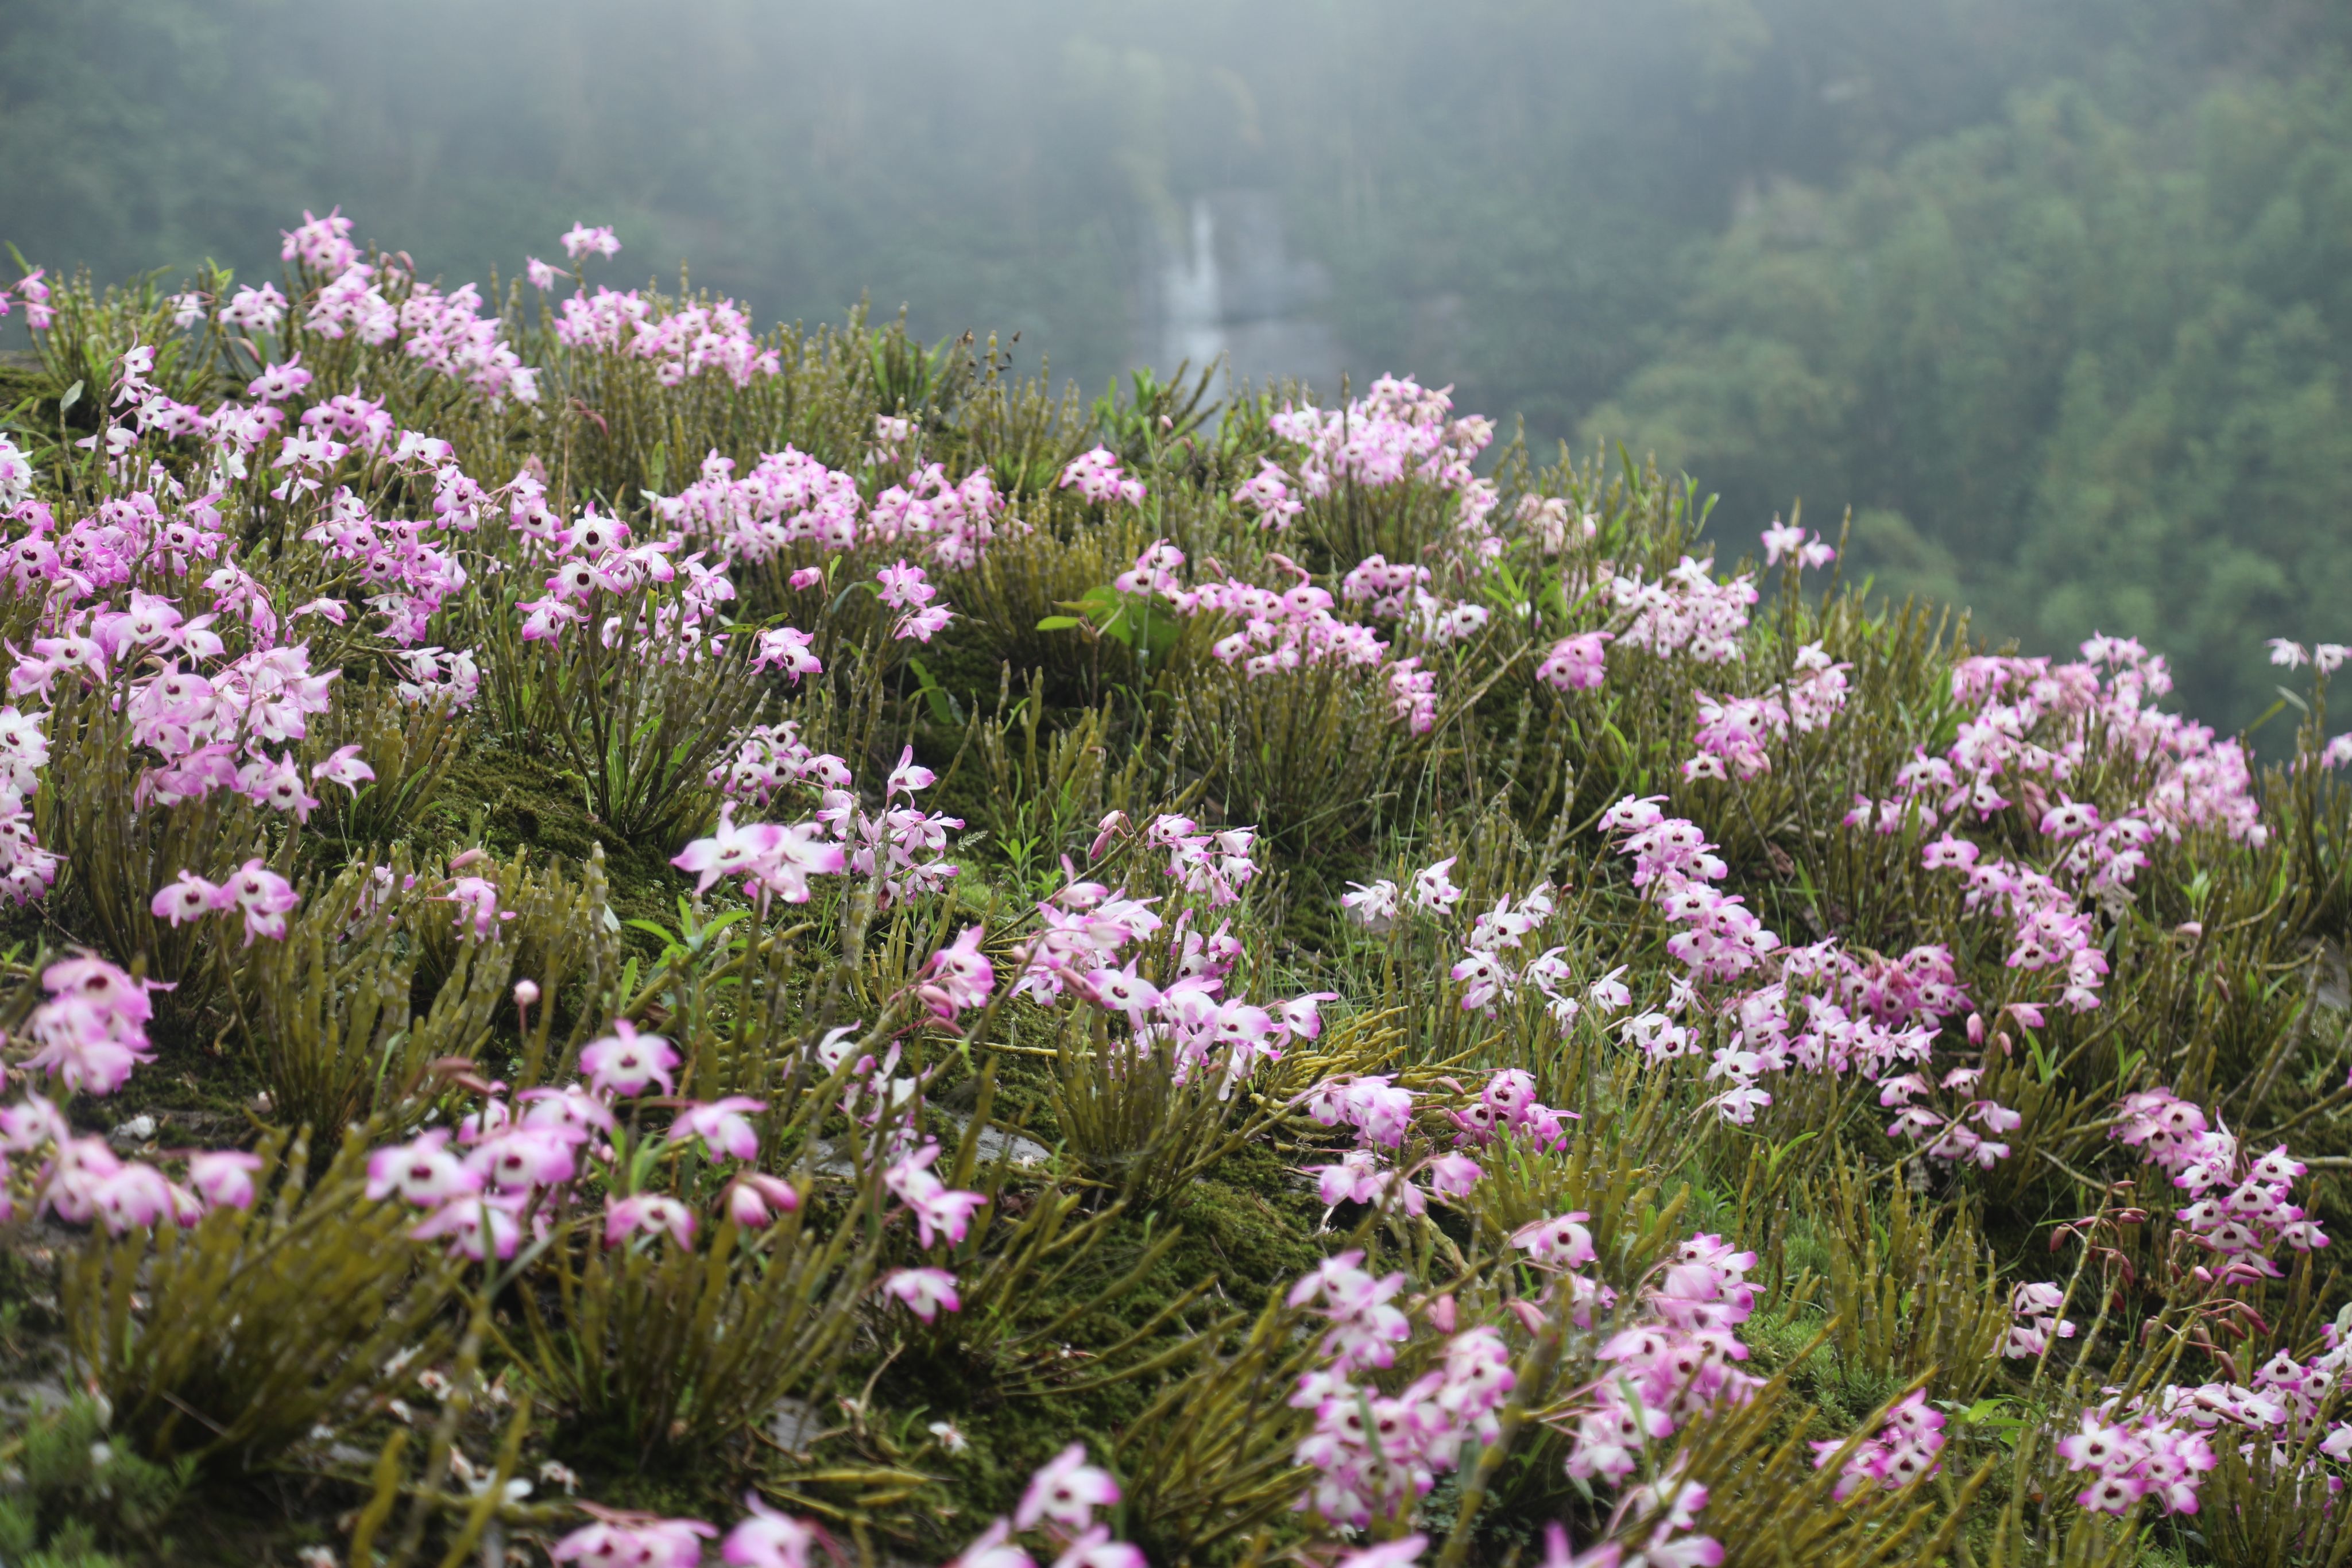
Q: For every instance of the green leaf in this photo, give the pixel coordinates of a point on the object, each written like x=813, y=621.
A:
x=944, y=707
x=72, y=396
x=1059, y=624
x=1783, y=1151
x=1155, y=625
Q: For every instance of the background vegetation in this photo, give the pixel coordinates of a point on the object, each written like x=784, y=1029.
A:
x=2050, y=293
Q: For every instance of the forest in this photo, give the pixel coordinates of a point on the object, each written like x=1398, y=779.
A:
x=2047, y=293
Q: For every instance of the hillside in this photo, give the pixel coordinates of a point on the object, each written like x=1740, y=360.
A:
x=637, y=938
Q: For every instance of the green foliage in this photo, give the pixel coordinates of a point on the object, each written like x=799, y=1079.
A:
x=1920, y=1300
x=327, y=1009
x=2081, y=366
x=66, y=1491
x=120, y=853
x=228, y=1342
x=680, y=1349
x=409, y=745
x=640, y=730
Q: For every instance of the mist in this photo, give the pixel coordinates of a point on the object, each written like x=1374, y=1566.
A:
x=1737, y=234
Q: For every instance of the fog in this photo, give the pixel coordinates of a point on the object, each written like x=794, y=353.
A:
x=1485, y=193
x=1592, y=216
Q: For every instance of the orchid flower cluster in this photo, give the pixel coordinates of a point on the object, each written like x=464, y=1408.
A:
x=1734, y=732
x=907, y=590
x=1377, y=1455
x=1291, y=630
x=1721, y=939
x=88, y=1034
x=1674, y=1363
x=789, y=502
x=16, y=470
x=771, y=759
x=2268, y=1418
x=1401, y=437
x=788, y=499
x=1056, y=1509
x=1487, y=971
x=1285, y=630
x=2049, y=928
x=772, y=859
x=954, y=522
x=618, y=1538
x=1878, y=1015
x=257, y=895
x=1400, y=593
x=689, y=338
x=1802, y=545
x=2241, y=1206
x=1902, y=1452
x=2325, y=657
x=2162, y=1445
x=27, y=870
x=2124, y=1461
x=204, y=731
x=594, y=557
x=1399, y=431
x=940, y=1212
x=1552, y=526
x=1380, y=1112
x=1058, y=1506
x=1085, y=928
x=381, y=302
x=512, y=1167
x=1686, y=613
x=1577, y=664
x=211, y=725
x=1098, y=477
x=2036, y=1325
x=1269, y=492
x=902, y=851
x=1388, y=591
x=405, y=575
x=1664, y=1515
x=2032, y=725
x=33, y=290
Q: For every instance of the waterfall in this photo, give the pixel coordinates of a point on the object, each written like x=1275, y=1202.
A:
x=1227, y=288
x=1192, y=315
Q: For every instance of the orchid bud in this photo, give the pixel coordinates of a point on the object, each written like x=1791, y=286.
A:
x=1531, y=1315
x=750, y=1197
x=526, y=992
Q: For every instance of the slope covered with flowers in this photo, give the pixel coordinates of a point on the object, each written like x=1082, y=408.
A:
x=638, y=941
